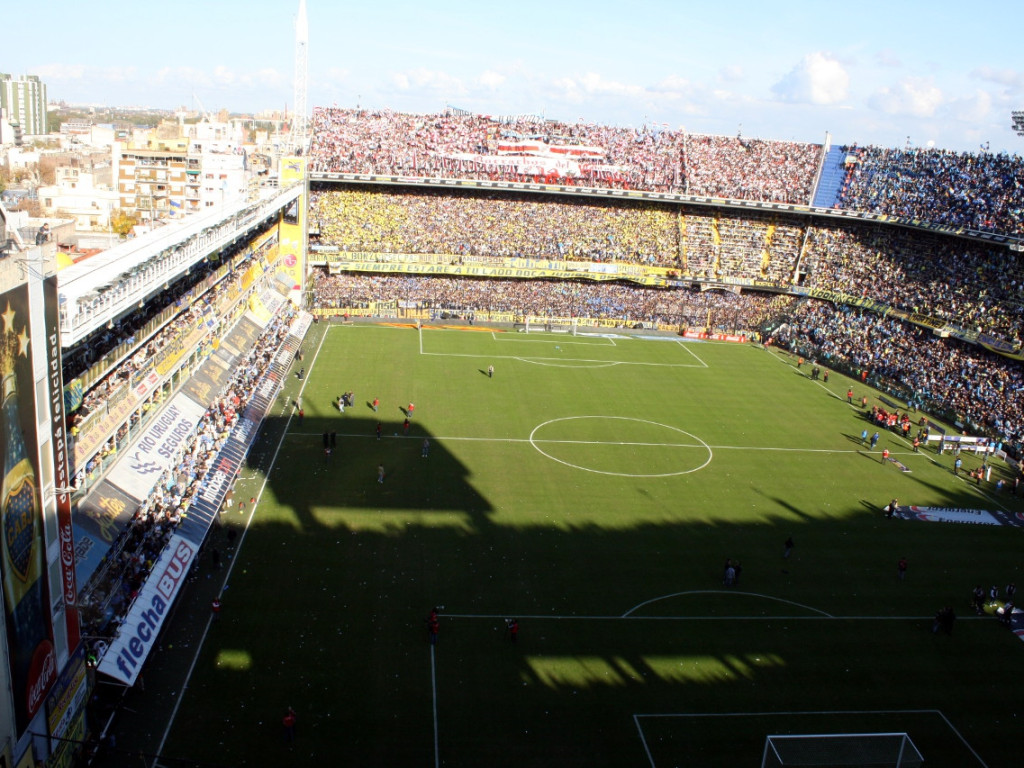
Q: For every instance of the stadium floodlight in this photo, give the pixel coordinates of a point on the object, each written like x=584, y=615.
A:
x=1018, y=121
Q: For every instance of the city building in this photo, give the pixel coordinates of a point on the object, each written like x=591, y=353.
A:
x=179, y=168
x=83, y=191
x=23, y=99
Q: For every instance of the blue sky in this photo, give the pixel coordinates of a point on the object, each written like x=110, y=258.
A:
x=943, y=72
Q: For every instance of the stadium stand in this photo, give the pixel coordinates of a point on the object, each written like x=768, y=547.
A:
x=977, y=191
x=479, y=147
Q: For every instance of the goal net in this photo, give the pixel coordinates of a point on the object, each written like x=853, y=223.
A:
x=547, y=325
x=841, y=750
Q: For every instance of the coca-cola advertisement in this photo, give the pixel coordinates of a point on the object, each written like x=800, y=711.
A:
x=61, y=459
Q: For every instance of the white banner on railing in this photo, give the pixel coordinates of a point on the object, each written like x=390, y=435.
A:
x=137, y=634
x=157, y=448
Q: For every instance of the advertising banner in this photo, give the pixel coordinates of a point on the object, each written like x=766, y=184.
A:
x=157, y=448
x=958, y=515
x=239, y=340
x=32, y=659
x=61, y=472
x=138, y=632
x=650, y=278
x=98, y=520
x=209, y=380
x=67, y=697
x=290, y=266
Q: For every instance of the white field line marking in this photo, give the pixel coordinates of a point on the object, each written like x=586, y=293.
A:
x=231, y=566
x=563, y=361
x=962, y=739
x=800, y=617
x=455, y=438
x=726, y=592
x=683, y=344
x=509, y=338
x=643, y=740
x=571, y=364
x=813, y=713
x=536, y=444
x=433, y=691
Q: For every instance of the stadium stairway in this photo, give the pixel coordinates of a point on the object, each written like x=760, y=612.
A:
x=831, y=181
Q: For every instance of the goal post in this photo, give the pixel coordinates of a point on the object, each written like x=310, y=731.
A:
x=841, y=750
x=532, y=324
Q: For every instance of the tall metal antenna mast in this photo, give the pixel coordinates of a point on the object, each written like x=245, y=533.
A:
x=299, y=137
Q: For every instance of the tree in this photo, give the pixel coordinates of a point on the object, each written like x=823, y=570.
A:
x=122, y=221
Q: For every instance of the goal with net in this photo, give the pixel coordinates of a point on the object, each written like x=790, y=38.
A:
x=547, y=325
x=841, y=750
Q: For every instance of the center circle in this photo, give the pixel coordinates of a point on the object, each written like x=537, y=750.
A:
x=620, y=446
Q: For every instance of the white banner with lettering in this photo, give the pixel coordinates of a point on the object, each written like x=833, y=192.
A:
x=137, y=635
x=157, y=449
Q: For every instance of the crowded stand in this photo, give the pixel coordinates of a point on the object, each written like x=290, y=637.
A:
x=698, y=242
x=976, y=191
x=971, y=286
x=750, y=169
x=114, y=585
x=968, y=285
x=653, y=158
x=957, y=189
x=959, y=381
x=467, y=297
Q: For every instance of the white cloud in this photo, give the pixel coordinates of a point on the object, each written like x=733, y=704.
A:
x=973, y=108
x=429, y=82
x=336, y=74
x=889, y=58
x=730, y=74
x=1011, y=78
x=221, y=78
x=60, y=72
x=491, y=79
x=915, y=96
x=673, y=87
x=819, y=78
x=182, y=76
x=595, y=84
x=224, y=77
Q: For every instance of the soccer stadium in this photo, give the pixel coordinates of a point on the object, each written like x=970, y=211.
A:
x=505, y=441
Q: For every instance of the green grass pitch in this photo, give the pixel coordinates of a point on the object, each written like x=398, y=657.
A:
x=593, y=489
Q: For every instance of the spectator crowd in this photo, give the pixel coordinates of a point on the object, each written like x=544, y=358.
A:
x=971, y=286
x=980, y=191
x=652, y=158
x=693, y=241
x=983, y=191
x=627, y=304
x=958, y=380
